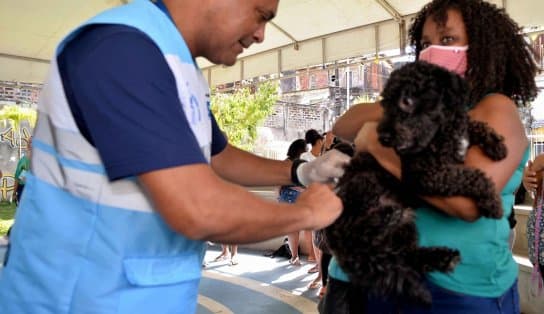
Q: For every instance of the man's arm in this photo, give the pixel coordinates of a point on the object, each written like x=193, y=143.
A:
x=194, y=201
x=241, y=167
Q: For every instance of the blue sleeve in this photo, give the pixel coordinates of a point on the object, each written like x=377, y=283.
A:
x=123, y=97
x=219, y=142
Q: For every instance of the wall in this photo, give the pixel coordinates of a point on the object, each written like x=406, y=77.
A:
x=25, y=94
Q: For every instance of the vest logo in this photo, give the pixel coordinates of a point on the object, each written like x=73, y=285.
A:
x=196, y=116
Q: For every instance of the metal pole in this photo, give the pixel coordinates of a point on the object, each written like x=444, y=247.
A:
x=348, y=85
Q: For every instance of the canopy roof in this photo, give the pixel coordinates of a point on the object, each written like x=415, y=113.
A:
x=305, y=32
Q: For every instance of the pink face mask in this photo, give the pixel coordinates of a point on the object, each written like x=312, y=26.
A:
x=453, y=58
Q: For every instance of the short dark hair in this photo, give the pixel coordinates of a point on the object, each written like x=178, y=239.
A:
x=296, y=149
x=312, y=136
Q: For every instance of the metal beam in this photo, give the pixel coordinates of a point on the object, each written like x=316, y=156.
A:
x=402, y=37
x=391, y=10
x=400, y=20
x=284, y=32
x=17, y=57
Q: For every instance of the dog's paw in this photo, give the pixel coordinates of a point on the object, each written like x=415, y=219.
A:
x=454, y=259
x=492, y=209
x=496, y=152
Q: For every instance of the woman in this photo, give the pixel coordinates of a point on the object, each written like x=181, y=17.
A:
x=289, y=194
x=532, y=181
x=479, y=41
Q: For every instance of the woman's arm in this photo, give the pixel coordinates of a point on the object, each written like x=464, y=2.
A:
x=500, y=113
x=347, y=126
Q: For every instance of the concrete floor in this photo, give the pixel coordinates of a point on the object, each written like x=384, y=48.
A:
x=258, y=284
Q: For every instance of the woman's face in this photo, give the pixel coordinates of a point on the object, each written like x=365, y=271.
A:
x=453, y=33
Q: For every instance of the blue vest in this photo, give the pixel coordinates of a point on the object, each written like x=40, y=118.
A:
x=83, y=244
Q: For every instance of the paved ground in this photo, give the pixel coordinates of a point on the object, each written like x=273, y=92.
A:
x=258, y=284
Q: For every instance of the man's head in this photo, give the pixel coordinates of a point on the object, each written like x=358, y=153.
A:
x=221, y=30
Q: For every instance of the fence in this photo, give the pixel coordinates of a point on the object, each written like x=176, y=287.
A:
x=536, y=142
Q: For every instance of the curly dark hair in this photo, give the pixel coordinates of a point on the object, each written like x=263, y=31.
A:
x=499, y=58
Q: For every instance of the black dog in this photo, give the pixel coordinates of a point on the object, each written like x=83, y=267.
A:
x=425, y=121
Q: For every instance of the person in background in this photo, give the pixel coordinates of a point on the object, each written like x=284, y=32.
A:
x=329, y=140
x=131, y=175
x=533, y=175
x=227, y=250
x=289, y=194
x=481, y=42
x=322, y=244
x=316, y=140
x=530, y=178
x=21, y=171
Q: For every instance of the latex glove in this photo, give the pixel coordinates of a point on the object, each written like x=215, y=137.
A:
x=325, y=168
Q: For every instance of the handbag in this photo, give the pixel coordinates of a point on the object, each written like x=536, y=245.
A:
x=535, y=238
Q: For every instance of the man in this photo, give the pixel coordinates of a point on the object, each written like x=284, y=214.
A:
x=130, y=172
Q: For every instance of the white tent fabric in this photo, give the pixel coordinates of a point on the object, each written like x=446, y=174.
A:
x=305, y=32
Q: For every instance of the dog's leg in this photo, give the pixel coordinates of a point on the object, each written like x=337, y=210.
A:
x=428, y=259
x=491, y=143
x=402, y=283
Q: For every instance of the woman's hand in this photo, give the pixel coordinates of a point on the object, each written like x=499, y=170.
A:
x=367, y=137
x=530, y=173
x=529, y=181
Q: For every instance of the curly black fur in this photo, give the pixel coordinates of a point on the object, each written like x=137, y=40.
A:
x=425, y=121
x=499, y=59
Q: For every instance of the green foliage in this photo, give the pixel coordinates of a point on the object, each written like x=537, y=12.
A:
x=7, y=211
x=238, y=114
x=17, y=114
x=365, y=99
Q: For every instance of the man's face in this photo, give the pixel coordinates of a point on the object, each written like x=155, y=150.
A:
x=234, y=25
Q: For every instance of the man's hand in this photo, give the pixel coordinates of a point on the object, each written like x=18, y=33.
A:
x=325, y=168
x=323, y=203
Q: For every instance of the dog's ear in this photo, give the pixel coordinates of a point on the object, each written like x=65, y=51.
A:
x=406, y=102
x=456, y=92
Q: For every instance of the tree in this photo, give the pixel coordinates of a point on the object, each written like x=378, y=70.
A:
x=238, y=114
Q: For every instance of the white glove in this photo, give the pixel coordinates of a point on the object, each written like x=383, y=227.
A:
x=325, y=168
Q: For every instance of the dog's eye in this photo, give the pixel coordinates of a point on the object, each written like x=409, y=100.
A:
x=406, y=104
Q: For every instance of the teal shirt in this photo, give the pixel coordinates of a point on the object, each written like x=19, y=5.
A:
x=487, y=268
